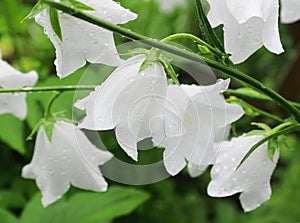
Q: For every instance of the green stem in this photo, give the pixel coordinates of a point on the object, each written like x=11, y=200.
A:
x=55, y=95
x=48, y=88
x=194, y=39
x=231, y=72
x=260, y=97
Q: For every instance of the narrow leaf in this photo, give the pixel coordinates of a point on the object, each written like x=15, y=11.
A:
x=207, y=31
x=55, y=22
x=37, y=8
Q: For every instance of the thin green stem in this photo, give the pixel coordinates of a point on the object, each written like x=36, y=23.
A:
x=256, y=96
x=193, y=38
x=48, y=88
x=231, y=72
x=55, y=95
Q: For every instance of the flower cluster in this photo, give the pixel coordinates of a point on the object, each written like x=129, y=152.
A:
x=190, y=122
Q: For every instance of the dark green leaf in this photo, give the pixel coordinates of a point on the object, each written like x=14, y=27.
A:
x=11, y=199
x=207, y=31
x=55, y=22
x=7, y=217
x=12, y=132
x=85, y=207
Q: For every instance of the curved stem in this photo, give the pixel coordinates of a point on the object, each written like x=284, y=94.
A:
x=48, y=88
x=193, y=38
x=231, y=72
x=55, y=95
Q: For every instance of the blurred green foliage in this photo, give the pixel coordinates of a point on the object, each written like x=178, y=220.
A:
x=179, y=199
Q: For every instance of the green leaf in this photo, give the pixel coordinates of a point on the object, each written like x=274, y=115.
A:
x=48, y=126
x=55, y=22
x=34, y=11
x=11, y=199
x=85, y=207
x=7, y=217
x=12, y=132
x=207, y=31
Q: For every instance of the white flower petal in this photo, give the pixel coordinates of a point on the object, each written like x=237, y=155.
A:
x=11, y=78
x=251, y=178
x=128, y=101
x=69, y=159
x=83, y=41
x=290, y=11
x=196, y=170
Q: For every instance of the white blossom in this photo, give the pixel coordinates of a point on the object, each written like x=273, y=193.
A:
x=248, y=25
x=193, y=116
x=14, y=103
x=69, y=158
x=127, y=101
x=290, y=11
x=83, y=41
x=251, y=179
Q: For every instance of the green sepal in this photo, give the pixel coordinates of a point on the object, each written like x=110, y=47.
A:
x=48, y=127
x=169, y=69
x=77, y=5
x=272, y=148
x=152, y=57
x=54, y=20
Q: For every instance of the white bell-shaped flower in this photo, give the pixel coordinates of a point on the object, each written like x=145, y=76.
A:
x=127, y=101
x=248, y=25
x=14, y=103
x=290, y=11
x=192, y=117
x=83, y=41
x=68, y=159
x=251, y=179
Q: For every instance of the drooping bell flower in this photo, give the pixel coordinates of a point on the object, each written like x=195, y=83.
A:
x=83, y=41
x=68, y=159
x=251, y=179
x=248, y=25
